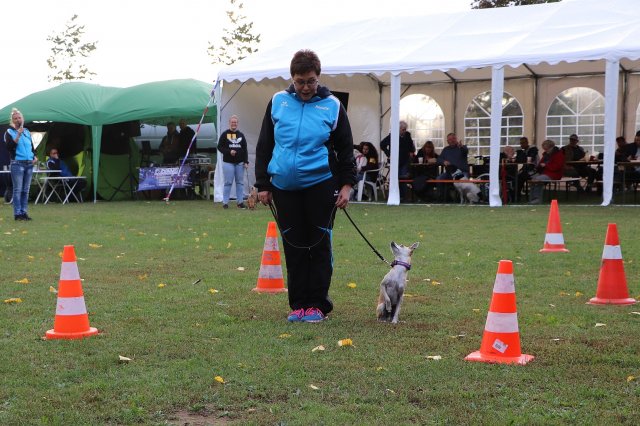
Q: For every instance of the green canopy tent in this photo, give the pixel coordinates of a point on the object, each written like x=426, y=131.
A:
x=95, y=106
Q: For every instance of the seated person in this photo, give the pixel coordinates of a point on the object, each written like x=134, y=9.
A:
x=527, y=155
x=55, y=163
x=425, y=155
x=453, y=157
x=170, y=145
x=574, y=152
x=549, y=168
x=366, y=157
x=370, y=154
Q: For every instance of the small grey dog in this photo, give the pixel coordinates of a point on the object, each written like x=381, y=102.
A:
x=392, y=285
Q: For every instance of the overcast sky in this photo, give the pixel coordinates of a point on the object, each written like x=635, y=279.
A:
x=143, y=40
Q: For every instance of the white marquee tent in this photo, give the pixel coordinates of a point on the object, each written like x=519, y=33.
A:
x=533, y=52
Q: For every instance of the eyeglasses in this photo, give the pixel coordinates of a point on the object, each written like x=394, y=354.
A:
x=312, y=82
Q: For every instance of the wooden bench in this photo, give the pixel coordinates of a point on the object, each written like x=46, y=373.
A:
x=555, y=184
x=444, y=181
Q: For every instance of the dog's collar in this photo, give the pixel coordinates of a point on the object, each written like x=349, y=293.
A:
x=401, y=263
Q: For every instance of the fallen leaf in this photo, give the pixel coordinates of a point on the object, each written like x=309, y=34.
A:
x=389, y=391
x=123, y=358
x=434, y=357
x=380, y=369
x=552, y=305
x=240, y=268
x=197, y=239
x=568, y=273
x=23, y=281
x=143, y=277
x=228, y=245
x=345, y=342
x=52, y=289
x=631, y=378
x=468, y=253
x=13, y=300
x=557, y=339
x=634, y=313
x=318, y=348
x=196, y=281
x=213, y=291
x=314, y=387
x=352, y=285
x=219, y=379
x=578, y=294
x=476, y=310
x=95, y=246
x=426, y=279
x=600, y=324
x=435, y=282
x=563, y=293
x=161, y=285
x=30, y=257
x=409, y=295
x=458, y=336
x=284, y=335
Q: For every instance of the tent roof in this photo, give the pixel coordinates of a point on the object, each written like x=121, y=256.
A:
x=545, y=39
x=91, y=104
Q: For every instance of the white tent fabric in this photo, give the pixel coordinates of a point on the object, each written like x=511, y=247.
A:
x=539, y=51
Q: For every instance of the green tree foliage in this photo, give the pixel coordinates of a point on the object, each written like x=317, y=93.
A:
x=238, y=41
x=487, y=4
x=67, y=52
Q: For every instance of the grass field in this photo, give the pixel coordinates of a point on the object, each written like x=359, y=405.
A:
x=182, y=335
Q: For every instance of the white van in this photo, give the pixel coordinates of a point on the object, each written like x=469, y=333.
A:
x=207, y=140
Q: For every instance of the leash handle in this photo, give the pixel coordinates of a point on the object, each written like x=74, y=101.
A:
x=365, y=238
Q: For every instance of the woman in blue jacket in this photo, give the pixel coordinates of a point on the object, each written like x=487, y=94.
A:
x=23, y=157
x=305, y=166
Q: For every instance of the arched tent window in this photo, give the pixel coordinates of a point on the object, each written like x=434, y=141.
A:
x=477, y=123
x=578, y=110
x=425, y=119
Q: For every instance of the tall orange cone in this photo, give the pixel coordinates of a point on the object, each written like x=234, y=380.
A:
x=501, y=339
x=553, y=240
x=72, y=320
x=612, y=283
x=270, y=277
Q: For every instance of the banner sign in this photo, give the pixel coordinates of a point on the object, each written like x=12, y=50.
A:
x=163, y=177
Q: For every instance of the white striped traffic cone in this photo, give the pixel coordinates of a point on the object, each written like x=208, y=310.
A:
x=612, y=282
x=553, y=239
x=501, y=339
x=270, y=279
x=72, y=320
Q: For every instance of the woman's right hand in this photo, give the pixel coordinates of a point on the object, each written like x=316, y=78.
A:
x=265, y=197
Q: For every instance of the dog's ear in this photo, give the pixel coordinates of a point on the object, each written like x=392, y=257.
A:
x=414, y=246
x=394, y=248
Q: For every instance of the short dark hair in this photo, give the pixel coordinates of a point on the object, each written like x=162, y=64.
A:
x=638, y=133
x=304, y=61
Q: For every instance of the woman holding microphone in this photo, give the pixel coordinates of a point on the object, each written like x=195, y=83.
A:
x=23, y=157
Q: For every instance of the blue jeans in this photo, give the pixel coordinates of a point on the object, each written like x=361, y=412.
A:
x=21, y=172
x=233, y=171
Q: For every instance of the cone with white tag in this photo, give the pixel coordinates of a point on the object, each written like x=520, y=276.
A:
x=270, y=278
x=72, y=319
x=501, y=339
x=612, y=282
x=553, y=239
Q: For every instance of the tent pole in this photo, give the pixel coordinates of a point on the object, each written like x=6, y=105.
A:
x=497, y=93
x=394, y=191
x=611, y=78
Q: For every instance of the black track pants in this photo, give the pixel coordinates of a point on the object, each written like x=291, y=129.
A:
x=305, y=219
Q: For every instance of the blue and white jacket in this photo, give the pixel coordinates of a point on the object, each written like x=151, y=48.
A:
x=304, y=143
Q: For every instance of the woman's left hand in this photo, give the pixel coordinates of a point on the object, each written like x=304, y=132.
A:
x=343, y=196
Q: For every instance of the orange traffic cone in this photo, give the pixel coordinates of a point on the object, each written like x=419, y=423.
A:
x=270, y=277
x=612, y=283
x=501, y=339
x=72, y=320
x=553, y=240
